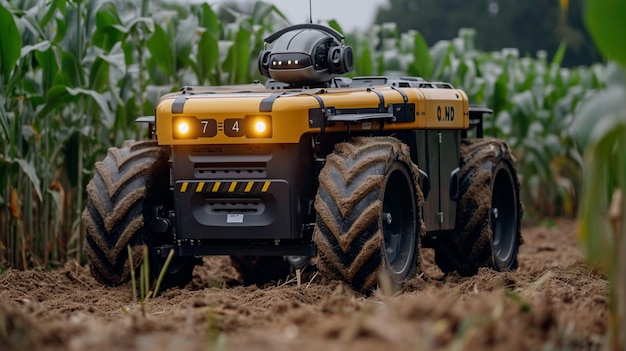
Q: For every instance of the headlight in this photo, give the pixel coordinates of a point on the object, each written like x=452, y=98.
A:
x=259, y=127
x=185, y=127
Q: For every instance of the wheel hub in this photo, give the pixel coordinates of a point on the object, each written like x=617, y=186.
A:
x=387, y=218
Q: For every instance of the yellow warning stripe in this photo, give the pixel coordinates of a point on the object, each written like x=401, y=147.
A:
x=231, y=186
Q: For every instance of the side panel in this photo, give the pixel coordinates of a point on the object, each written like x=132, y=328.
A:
x=448, y=167
x=446, y=109
x=426, y=165
x=438, y=157
x=433, y=217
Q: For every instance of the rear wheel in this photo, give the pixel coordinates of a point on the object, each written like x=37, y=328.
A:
x=489, y=211
x=125, y=193
x=368, y=213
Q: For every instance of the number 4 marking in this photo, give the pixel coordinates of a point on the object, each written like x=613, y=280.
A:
x=236, y=126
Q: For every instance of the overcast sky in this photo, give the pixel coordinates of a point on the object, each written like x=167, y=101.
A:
x=351, y=14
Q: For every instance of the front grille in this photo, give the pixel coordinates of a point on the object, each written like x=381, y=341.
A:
x=230, y=150
x=229, y=205
x=230, y=173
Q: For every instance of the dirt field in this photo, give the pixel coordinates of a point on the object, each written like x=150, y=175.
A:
x=553, y=302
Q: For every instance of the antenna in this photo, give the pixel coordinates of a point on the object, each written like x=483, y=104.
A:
x=310, y=12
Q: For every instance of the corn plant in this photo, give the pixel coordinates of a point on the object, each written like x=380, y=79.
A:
x=75, y=75
x=601, y=130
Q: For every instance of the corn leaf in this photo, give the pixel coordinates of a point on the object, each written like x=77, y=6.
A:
x=605, y=21
x=11, y=43
x=28, y=169
x=207, y=57
x=241, y=47
x=560, y=53
x=594, y=231
x=209, y=20
x=594, y=110
x=56, y=97
x=263, y=10
x=184, y=41
x=162, y=52
x=109, y=29
x=49, y=67
x=134, y=24
x=364, y=64
x=422, y=65
x=102, y=102
x=335, y=25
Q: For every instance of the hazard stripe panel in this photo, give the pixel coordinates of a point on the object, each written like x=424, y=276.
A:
x=230, y=187
x=199, y=187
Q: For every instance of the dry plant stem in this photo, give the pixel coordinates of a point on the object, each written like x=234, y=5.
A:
x=168, y=260
x=22, y=244
x=312, y=279
x=132, y=273
x=145, y=281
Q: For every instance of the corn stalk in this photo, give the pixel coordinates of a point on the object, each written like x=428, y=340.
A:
x=601, y=130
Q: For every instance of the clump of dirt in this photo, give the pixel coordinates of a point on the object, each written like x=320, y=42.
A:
x=554, y=301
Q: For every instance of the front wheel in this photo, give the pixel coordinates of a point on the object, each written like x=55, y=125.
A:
x=368, y=208
x=122, y=197
x=489, y=211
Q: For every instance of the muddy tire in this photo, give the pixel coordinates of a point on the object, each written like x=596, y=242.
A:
x=489, y=211
x=368, y=213
x=258, y=270
x=126, y=187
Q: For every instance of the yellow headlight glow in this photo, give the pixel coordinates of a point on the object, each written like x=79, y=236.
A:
x=260, y=127
x=183, y=128
x=187, y=127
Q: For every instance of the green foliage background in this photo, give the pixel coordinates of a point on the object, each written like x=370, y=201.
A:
x=528, y=25
x=76, y=74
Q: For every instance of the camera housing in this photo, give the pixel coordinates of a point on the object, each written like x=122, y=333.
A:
x=306, y=55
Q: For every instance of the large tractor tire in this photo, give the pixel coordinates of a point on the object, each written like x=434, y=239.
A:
x=368, y=213
x=489, y=212
x=127, y=188
x=258, y=270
